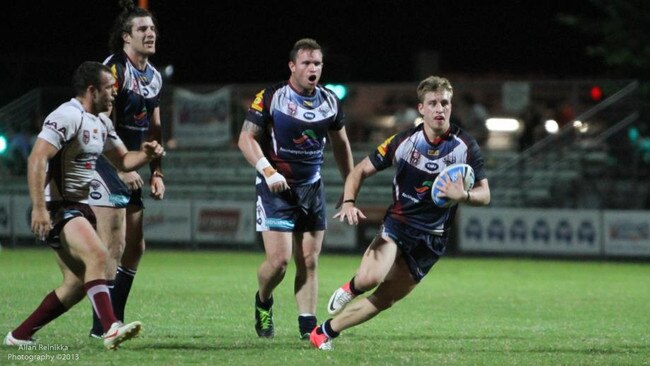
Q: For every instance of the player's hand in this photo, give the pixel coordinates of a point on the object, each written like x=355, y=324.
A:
x=41, y=223
x=132, y=180
x=153, y=149
x=157, y=187
x=350, y=213
x=455, y=191
x=276, y=182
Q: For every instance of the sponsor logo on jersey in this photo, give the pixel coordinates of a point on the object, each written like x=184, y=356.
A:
x=116, y=85
x=308, y=103
x=258, y=102
x=309, y=115
x=307, y=140
x=384, y=146
x=86, y=137
x=424, y=189
x=433, y=152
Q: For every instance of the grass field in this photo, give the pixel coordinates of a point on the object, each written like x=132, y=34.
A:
x=197, y=308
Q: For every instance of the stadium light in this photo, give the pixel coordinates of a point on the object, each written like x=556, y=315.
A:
x=3, y=144
x=551, y=126
x=596, y=93
x=339, y=89
x=502, y=124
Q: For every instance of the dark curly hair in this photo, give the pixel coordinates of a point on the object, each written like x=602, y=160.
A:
x=124, y=22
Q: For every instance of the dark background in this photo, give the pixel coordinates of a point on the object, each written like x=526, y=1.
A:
x=248, y=41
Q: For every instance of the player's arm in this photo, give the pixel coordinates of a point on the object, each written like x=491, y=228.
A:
x=127, y=161
x=352, y=186
x=479, y=195
x=342, y=151
x=41, y=154
x=156, y=184
x=252, y=151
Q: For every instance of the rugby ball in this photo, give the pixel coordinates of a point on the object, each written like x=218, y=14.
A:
x=451, y=172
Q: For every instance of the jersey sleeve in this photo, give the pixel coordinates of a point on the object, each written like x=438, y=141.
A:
x=259, y=110
x=112, y=139
x=339, y=121
x=475, y=160
x=117, y=70
x=61, y=126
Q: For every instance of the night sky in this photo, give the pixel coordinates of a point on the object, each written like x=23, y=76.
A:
x=249, y=41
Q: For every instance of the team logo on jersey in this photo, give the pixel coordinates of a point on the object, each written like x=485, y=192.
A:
x=449, y=159
x=258, y=102
x=324, y=110
x=307, y=140
x=423, y=190
x=415, y=157
x=383, y=148
x=433, y=152
x=86, y=137
x=292, y=108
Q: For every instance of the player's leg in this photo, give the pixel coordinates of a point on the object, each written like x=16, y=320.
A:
x=397, y=284
x=307, y=250
x=277, y=247
x=54, y=304
x=111, y=228
x=133, y=251
x=85, y=245
x=377, y=260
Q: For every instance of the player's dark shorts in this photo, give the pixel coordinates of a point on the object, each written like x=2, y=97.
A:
x=299, y=209
x=63, y=211
x=108, y=190
x=420, y=249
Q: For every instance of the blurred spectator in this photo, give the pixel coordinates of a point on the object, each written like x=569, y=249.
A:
x=532, y=120
x=474, y=118
x=405, y=114
x=20, y=145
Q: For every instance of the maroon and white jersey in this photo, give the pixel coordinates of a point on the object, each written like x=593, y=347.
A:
x=80, y=137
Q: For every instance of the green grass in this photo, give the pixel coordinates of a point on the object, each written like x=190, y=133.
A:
x=197, y=308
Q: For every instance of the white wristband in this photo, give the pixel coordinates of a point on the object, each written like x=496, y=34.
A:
x=261, y=165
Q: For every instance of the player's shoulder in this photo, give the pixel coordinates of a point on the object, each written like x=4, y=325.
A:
x=462, y=134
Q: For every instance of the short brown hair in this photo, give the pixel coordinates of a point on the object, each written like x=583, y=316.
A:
x=303, y=44
x=433, y=83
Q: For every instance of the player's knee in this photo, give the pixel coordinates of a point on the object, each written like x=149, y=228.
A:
x=366, y=281
x=279, y=264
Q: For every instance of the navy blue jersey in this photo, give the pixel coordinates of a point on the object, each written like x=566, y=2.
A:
x=138, y=94
x=418, y=162
x=295, y=129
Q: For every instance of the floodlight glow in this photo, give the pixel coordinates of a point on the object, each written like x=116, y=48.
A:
x=340, y=90
x=502, y=124
x=551, y=126
x=3, y=144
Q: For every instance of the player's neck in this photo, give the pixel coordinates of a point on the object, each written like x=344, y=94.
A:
x=138, y=60
x=87, y=104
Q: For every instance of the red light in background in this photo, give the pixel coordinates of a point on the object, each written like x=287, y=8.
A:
x=596, y=93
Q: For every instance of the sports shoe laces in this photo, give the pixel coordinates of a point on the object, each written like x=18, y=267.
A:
x=265, y=318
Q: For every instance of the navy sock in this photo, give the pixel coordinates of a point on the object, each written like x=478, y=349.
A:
x=264, y=305
x=327, y=329
x=353, y=289
x=121, y=290
x=306, y=323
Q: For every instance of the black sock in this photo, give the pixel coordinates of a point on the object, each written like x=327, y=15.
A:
x=97, y=325
x=306, y=323
x=327, y=329
x=264, y=305
x=121, y=290
x=353, y=289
